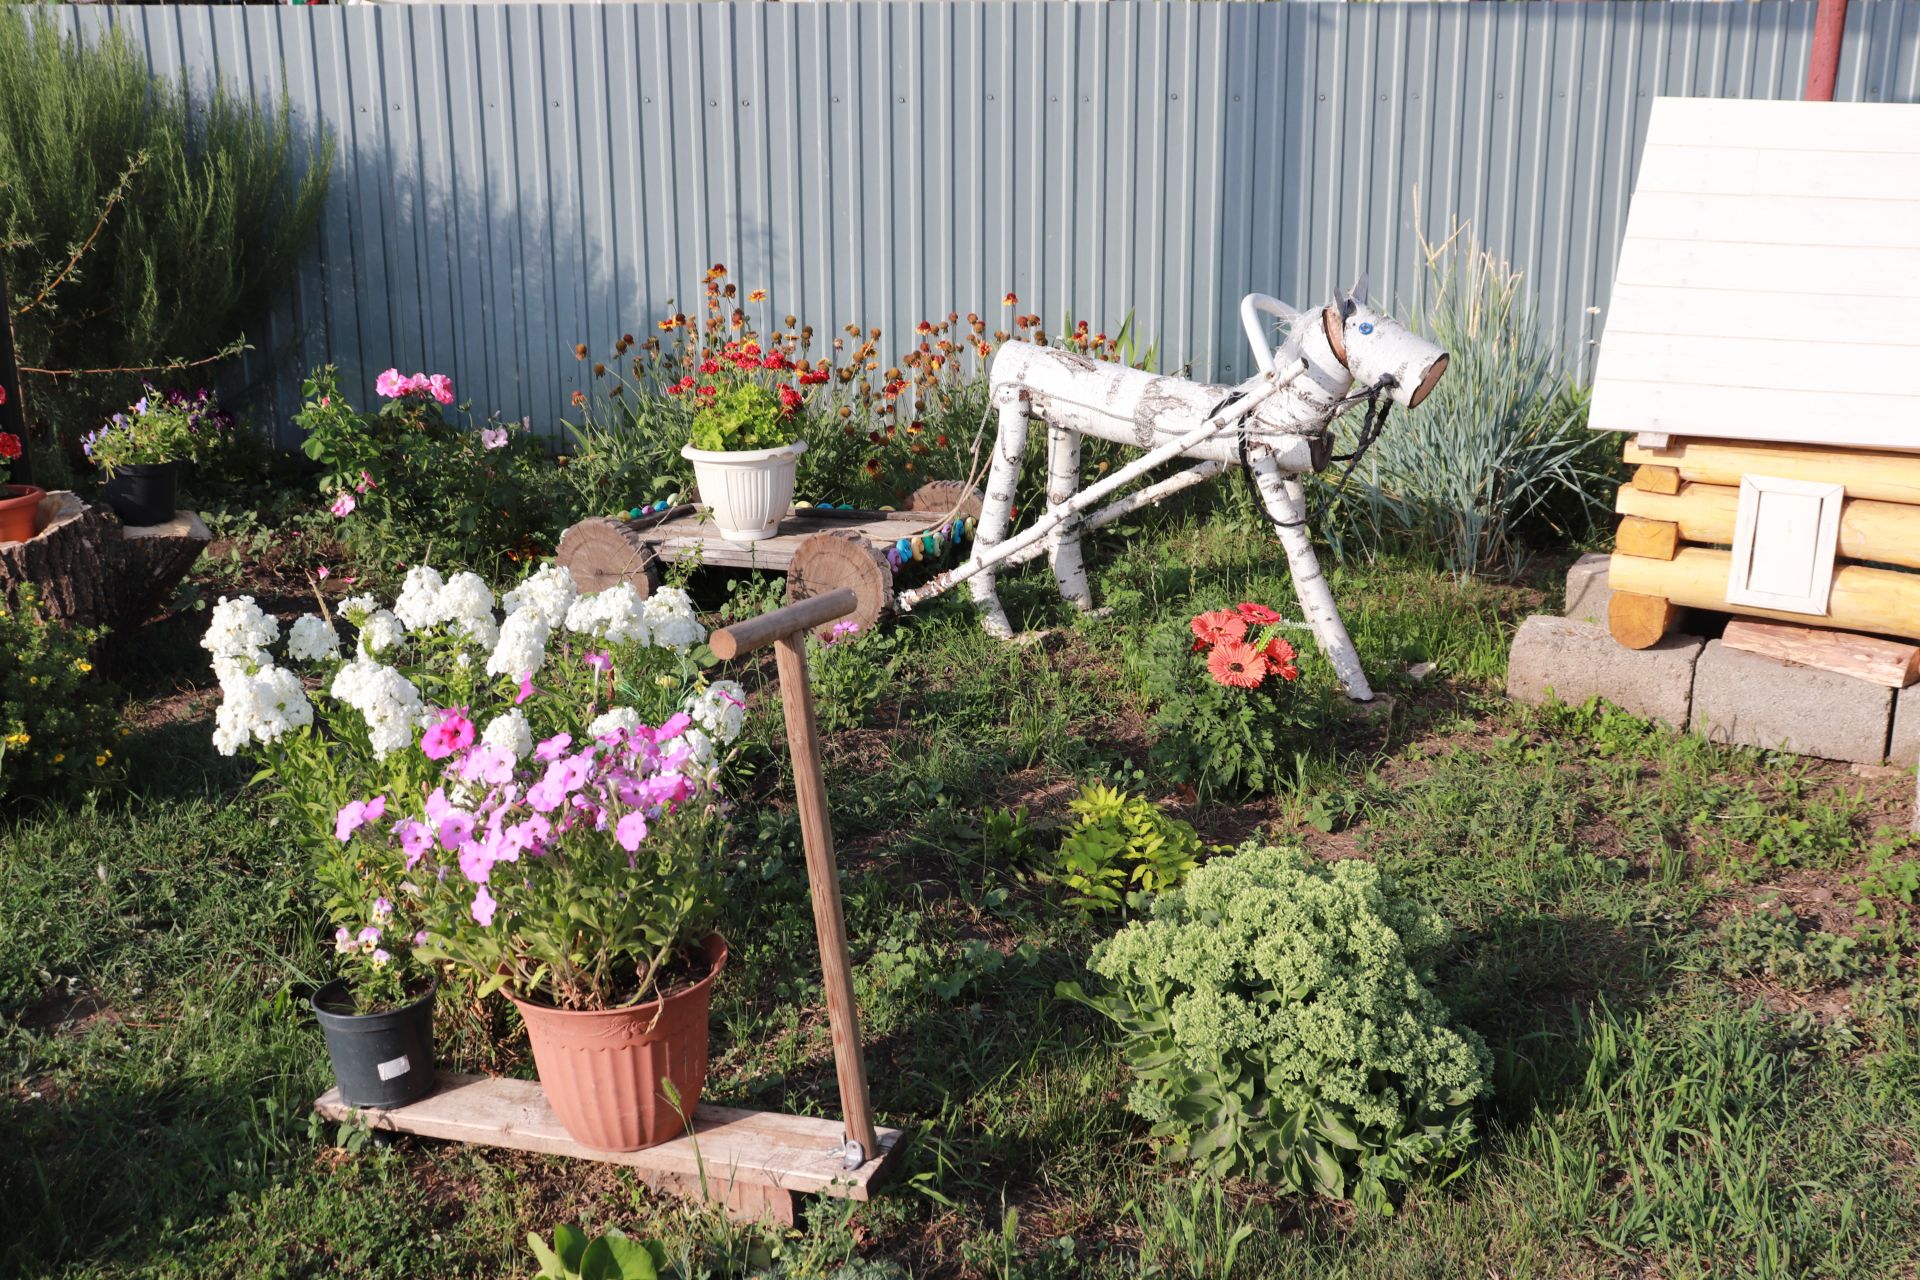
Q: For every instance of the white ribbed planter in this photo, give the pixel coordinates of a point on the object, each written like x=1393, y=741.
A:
x=746, y=491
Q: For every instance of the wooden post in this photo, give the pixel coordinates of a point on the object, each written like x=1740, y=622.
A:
x=786, y=629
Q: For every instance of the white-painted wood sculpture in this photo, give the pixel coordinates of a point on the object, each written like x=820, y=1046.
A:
x=1278, y=424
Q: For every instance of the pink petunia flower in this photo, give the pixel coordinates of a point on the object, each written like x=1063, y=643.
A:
x=483, y=908
x=356, y=814
x=599, y=661
x=630, y=830
x=553, y=748
x=527, y=690
x=450, y=733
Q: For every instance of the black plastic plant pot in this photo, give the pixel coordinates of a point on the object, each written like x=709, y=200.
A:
x=144, y=493
x=379, y=1059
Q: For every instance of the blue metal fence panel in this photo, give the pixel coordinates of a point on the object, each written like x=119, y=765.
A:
x=513, y=179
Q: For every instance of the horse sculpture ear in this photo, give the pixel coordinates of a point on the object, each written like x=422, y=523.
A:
x=1358, y=293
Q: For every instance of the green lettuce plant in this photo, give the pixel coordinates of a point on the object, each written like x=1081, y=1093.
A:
x=741, y=417
x=1277, y=1021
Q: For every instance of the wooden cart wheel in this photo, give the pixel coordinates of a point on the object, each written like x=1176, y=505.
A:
x=944, y=497
x=603, y=552
x=828, y=561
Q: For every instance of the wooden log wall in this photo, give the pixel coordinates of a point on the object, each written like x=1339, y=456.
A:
x=1677, y=520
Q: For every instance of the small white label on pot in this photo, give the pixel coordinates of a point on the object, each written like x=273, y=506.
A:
x=394, y=1067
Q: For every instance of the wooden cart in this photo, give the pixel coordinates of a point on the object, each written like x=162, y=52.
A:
x=820, y=549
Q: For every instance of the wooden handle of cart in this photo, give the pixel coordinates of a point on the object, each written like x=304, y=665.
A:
x=800, y=616
x=786, y=629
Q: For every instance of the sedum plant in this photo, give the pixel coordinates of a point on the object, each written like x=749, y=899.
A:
x=1278, y=1025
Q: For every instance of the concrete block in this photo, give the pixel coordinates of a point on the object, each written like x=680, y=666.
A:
x=1754, y=701
x=1587, y=589
x=1573, y=661
x=1904, y=748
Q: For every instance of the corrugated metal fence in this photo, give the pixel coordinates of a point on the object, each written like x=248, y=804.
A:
x=516, y=179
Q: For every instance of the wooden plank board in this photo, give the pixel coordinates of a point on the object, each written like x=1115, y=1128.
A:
x=731, y=1145
x=1795, y=219
x=1888, y=662
x=1667, y=308
x=1770, y=414
x=690, y=533
x=1785, y=123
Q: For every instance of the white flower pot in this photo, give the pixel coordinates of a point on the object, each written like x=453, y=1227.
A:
x=747, y=491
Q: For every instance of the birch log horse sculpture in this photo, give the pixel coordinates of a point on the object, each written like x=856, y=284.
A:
x=1277, y=424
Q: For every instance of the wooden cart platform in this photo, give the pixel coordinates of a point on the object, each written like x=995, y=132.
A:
x=820, y=549
x=754, y=1162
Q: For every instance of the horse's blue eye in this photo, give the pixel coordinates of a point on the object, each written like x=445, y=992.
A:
x=1366, y=326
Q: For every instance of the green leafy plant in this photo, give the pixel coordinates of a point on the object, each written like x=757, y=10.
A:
x=405, y=481
x=611, y=1255
x=1769, y=942
x=1276, y=1016
x=850, y=668
x=144, y=221
x=1887, y=874
x=56, y=715
x=1121, y=851
x=742, y=417
x=1227, y=712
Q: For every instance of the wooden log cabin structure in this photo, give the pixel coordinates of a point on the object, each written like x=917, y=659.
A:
x=1762, y=356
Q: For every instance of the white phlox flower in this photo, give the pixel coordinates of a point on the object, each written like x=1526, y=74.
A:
x=617, y=615
x=386, y=699
x=671, y=621
x=511, y=732
x=613, y=720
x=522, y=647
x=418, y=604
x=720, y=709
x=465, y=604
x=312, y=639
x=357, y=609
x=238, y=635
x=380, y=632
x=260, y=707
x=550, y=592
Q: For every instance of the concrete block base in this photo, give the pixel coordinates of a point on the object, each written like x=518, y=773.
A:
x=1753, y=701
x=1904, y=748
x=1587, y=589
x=1573, y=661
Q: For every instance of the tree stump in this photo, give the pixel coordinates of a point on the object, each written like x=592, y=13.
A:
x=828, y=561
x=602, y=552
x=955, y=497
x=92, y=571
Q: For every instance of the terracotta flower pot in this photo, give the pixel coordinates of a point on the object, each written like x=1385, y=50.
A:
x=19, y=511
x=602, y=1069
x=747, y=491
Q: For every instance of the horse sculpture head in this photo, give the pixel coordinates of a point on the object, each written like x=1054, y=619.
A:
x=1379, y=351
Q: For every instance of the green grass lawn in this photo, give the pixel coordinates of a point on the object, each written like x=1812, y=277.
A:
x=1691, y=964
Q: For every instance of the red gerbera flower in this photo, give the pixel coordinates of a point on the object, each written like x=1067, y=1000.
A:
x=1258, y=614
x=1236, y=665
x=1279, y=656
x=1218, y=626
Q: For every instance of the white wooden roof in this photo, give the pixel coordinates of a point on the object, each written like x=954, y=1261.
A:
x=1769, y=284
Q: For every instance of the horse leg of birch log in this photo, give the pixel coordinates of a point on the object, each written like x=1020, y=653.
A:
x=1286, y=501
x=1063, y=548
x=996, y=511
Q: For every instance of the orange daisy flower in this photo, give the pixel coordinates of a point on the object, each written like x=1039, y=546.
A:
x=1236, y=665
x=1218, y=627
x=1279, y=656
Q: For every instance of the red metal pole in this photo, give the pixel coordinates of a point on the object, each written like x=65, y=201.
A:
x=1823, y=64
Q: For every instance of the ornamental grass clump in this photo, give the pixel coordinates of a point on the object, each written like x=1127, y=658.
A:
x=1278, y=1023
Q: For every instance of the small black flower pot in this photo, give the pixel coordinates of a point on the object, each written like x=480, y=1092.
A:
x=379, y=1059
x=145, y=492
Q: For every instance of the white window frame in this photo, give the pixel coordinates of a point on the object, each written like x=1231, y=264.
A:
x=1753, y=492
